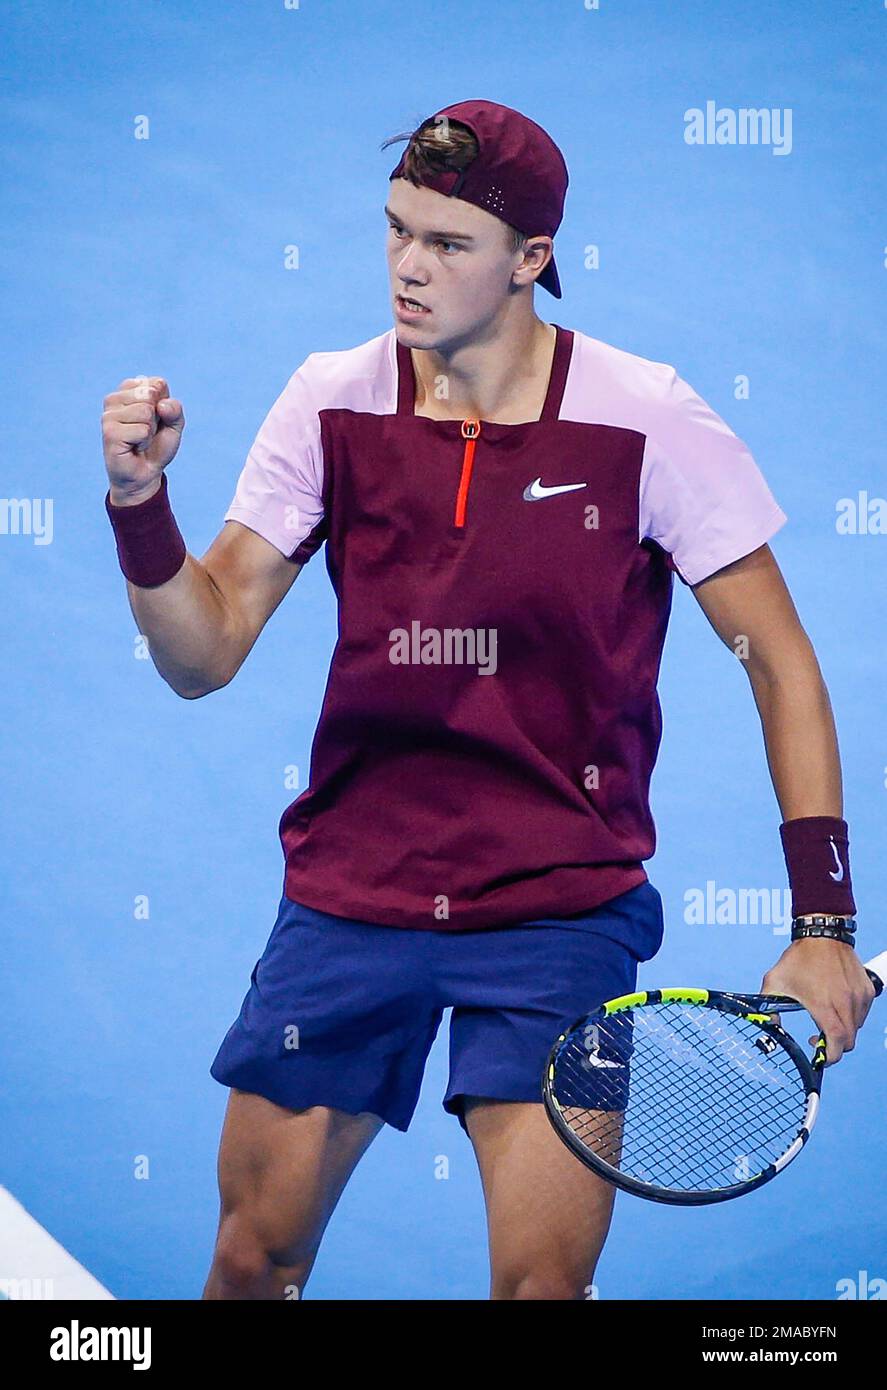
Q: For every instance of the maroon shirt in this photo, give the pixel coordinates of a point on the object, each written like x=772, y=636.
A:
x=490, y=722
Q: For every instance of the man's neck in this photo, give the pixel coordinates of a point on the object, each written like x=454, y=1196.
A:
x=503, y=381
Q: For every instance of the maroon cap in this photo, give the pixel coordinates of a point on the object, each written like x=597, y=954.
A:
x=519, y=174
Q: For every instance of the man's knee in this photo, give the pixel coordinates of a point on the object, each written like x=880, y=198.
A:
x=243, y=1266
x=547, y=1283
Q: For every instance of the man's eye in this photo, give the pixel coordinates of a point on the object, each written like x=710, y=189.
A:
x=399, y=233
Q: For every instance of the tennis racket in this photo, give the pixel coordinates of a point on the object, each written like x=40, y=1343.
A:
x=687, y=1096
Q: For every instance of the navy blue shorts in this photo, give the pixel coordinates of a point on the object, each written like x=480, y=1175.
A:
x=343, y=1013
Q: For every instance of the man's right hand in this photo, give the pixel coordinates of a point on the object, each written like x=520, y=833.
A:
x=141, y=432
x=201, y=625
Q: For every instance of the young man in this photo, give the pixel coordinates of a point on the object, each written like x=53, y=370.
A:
x=505, y=504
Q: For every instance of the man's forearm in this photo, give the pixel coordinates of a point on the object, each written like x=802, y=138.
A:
x=800, y=738
x=179, y=609
x=188, y=627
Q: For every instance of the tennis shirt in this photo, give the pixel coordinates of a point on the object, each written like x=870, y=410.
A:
x=490, y=722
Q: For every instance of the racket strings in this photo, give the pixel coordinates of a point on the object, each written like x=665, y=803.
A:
x=727, y=1123
x=679, y=1096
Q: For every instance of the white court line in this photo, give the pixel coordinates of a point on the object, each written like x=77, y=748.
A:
x=32, y=1263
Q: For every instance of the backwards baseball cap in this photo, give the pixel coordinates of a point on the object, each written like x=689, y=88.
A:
x=519, y=174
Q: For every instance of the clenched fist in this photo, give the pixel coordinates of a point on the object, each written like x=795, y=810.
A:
x=141, y=432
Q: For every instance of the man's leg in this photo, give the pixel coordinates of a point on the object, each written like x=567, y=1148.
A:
x=547, y=1215
x=281, y=1173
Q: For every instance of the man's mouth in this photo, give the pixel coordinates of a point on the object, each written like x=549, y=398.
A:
x=413, y=305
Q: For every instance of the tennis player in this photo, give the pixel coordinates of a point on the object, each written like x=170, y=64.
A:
x=505, y=504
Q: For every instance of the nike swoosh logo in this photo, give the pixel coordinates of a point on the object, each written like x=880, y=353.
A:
x=534, y=492
x=840, y=874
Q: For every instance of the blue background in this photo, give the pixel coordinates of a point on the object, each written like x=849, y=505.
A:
x=166, y=256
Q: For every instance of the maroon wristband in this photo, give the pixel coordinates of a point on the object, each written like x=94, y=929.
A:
x=817, y=857
x=150, y=547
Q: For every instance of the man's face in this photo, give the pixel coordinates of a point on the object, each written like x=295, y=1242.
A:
x=452, y=257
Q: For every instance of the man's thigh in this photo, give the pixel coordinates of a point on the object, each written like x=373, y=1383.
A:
x=281, y=1173
x=547, y=1215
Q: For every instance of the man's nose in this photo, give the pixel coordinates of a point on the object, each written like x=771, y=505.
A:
x=409, y=264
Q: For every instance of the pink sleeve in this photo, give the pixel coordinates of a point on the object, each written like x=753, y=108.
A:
x=279, y=491
x=702, y=496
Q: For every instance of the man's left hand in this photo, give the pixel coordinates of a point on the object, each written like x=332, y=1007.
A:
x=830, y=981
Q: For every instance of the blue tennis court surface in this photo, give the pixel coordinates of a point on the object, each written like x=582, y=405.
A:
x=141, y=868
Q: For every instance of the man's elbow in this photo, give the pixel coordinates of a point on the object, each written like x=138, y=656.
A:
x=194, y=684
x=793, y=664
x=195, y=688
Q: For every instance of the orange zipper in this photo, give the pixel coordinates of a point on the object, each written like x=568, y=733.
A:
x=470, y=432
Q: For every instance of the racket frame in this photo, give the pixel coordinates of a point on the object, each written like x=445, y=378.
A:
x=744, y=1006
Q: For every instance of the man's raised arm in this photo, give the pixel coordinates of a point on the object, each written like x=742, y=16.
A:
x=200, y=618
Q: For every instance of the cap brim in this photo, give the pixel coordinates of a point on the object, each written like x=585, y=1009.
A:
x=550, y=280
